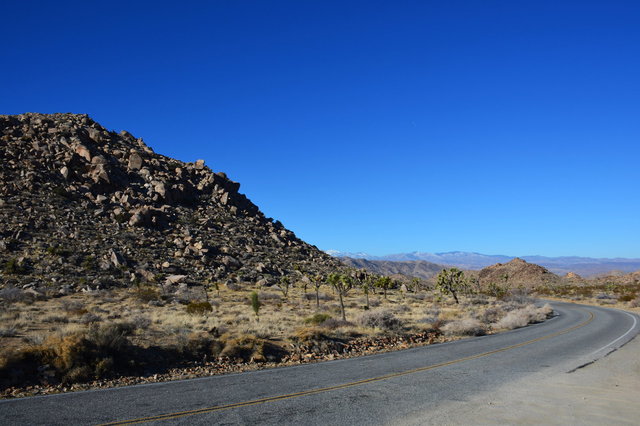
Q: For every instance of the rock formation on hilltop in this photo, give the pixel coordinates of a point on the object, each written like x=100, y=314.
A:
x=84, y=208
x=517, y=273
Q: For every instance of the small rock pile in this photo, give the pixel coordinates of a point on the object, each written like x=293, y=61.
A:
x=84, y=208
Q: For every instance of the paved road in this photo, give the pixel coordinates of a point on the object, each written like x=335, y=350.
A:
x=387, y=388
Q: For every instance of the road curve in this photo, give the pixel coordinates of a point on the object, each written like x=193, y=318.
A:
x=376, y=389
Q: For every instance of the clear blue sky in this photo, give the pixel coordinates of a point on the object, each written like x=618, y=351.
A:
x=504, y=127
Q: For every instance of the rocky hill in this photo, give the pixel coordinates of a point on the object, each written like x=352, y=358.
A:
x=516, y=273
x=419, y=269
x=82, y=207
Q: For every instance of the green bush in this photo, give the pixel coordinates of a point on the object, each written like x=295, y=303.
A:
x=13, y=267
x=255, y=302
x=316, y=319
x=61, y=192
x=497, y=291
x=89, y=263
x=57, y=250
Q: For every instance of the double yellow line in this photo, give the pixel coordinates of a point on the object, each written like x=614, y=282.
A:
x=176, y=415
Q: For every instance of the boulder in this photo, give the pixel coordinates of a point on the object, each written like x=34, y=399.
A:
x=135, y=161
x=174, y=279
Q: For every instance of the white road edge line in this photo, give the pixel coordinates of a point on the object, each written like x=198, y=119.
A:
x=635, y=321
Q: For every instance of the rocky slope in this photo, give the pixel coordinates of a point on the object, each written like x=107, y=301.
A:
x=419, y=269
x=516, y=273
x=82, y=207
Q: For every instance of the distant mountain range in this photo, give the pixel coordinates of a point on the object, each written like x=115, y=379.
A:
x=414, y=268
x=585, y=266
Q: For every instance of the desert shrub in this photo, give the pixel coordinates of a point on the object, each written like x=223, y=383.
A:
x=333, y=323
x=14, y=267
x=89, y=318
x=603, y=296
x=55, y=319
x=12, y=295
x=80, y=357
x=382, y=319
x=264, y=295
x=9, y=331
x=626, y=297
x=89, y=263
x=249, y=348
x=146, y=294
x=321, y=296
x=465, y=327
x=141, y=322
x=200, y=346
x=490, y=315
x=401, y=308
x=374, y=303
x=73, y=307
x=315, y=340
x=477, y=299
x=432, y=315
x=99, y=352
x=316, y=319
x=200, y=308
x=518, y=295
x=61, y=192
x=57, y=250
x=522, y=317
x=496, y=290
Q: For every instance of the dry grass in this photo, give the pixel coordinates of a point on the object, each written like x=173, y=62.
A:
x=224, y=324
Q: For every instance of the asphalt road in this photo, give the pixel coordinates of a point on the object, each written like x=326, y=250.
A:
x=377, y=389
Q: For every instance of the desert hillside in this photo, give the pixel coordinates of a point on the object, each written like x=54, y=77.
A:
x=84, y=208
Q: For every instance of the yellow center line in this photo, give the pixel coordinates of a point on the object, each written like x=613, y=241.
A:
x=170, y=416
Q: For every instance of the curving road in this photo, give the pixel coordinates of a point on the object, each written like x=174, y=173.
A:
x=378, y=389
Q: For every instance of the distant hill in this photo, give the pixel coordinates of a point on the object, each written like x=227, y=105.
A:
x=419, y=269
x=584, y=266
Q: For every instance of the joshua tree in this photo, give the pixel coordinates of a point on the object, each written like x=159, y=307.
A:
x=384, y=283
x=342, y=284
x=416, y=284
x=318, y=280
x=255, y=303
x=285, y=284
x=361, y=279
x=450, y=282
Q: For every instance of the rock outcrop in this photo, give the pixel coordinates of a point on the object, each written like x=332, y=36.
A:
x=82, y=207
x=517, y=273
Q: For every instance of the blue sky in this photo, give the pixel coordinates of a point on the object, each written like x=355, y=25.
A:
x=498, y=127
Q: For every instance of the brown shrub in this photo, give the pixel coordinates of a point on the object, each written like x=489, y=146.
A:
x=465, y=327
x=381, y=319
x=146, y=294
x=522, y=317
x=249, y=348
x=626, y=297
x=200, y=308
